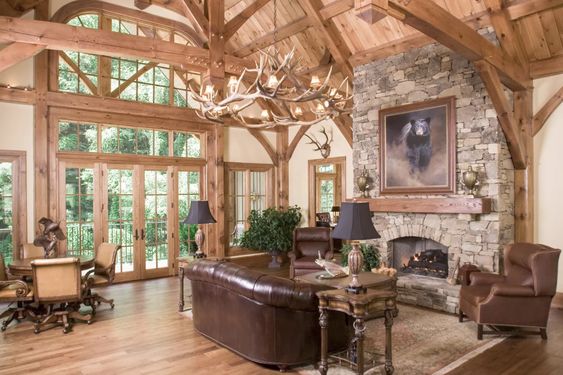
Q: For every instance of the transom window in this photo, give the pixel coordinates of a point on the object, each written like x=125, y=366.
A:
x=127, y=79
x=110, y=139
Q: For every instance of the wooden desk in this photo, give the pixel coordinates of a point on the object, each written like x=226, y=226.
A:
x=360, y=307
x=22, y=267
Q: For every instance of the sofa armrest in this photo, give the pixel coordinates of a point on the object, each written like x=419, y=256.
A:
x=483, y=278
x=509, y=290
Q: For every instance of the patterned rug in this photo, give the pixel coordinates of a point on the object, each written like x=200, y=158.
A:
x=424, y=342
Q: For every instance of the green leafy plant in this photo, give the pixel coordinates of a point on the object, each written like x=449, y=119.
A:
x=271, y=230
x=372, y=258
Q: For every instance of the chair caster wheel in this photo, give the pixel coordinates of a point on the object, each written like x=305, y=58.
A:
x=36, y=331
x=66, y=330
x=89, y=322
x=112, y=305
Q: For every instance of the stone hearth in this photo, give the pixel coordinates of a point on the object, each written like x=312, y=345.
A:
x=423, y=74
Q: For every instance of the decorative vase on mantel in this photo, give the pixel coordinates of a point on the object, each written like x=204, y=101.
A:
x=362, y=182
x=470, y=179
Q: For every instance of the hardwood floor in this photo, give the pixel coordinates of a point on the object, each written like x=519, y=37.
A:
x=145, y=334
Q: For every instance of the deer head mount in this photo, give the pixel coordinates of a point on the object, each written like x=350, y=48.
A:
x=323, y=148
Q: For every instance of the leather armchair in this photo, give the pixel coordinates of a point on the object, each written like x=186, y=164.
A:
x=307, y=244
x=12, y=290
x=58, y=282
x=102, y=274
x=519, y=298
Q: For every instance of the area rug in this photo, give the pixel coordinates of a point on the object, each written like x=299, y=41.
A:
x=425, y=342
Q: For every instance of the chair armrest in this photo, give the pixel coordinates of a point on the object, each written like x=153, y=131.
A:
x=87, y=275
x=292, y=255
x=22, y=288
x=512, y=290
x=483, y=278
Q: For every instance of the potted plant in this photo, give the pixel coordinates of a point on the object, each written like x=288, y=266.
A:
x=372, y=258
x=271, y=230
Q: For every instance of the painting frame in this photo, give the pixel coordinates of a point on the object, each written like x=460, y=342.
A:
x=396, y=153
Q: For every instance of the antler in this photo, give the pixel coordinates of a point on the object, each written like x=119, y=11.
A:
x=313, y=142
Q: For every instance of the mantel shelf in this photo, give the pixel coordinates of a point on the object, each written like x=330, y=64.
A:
x=430, y=205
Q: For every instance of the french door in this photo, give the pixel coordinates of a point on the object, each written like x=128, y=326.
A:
x=139, y=207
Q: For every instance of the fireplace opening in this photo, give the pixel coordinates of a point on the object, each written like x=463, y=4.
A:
x=420, y=256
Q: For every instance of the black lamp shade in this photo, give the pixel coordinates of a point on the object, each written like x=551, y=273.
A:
x=355, y=222
x=199, y=214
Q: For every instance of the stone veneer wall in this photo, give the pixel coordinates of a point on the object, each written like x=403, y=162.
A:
x=423, y=74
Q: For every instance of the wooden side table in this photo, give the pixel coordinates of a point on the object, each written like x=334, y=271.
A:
x=359, y=307
x=183, y=263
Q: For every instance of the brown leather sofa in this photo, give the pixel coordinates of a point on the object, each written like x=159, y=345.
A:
x=519, y=298
x=266, y=319
x=307, y=243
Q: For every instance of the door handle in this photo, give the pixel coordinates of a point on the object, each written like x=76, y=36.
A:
x=136, y=234
x=142, y=234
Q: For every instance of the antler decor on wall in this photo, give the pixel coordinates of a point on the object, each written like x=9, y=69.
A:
x=323, y=148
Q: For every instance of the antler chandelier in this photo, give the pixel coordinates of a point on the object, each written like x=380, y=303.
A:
x=274, y=82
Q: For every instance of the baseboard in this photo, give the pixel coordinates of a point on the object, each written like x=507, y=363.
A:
x=557, y=301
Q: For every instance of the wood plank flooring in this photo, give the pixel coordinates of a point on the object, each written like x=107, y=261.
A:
x=146, y=335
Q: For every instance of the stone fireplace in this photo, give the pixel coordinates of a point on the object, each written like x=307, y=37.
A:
x=423, y=74
x=419, y=256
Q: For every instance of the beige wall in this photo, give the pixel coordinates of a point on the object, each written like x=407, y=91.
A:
x=242, y=147
x=548, y=146
x=16, y=125
x=299, y=164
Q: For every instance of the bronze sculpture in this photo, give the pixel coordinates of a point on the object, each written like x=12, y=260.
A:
x=50, y=235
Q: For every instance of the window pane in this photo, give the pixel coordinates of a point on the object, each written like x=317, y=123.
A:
x=6, y=212
x=161, y=143
x=88, y=138
x=110, y=140
x=145, y=142
x=126, y=141
x=68, y=136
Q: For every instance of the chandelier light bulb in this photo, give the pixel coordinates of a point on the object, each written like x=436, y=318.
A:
x=208, y=93
x=265, y=115
x=298, y=112
x=320, y=108
x=232, y=85
x=315, y=81
x=272, y=81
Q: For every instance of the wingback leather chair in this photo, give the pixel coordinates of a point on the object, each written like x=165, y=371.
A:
x=58, y=282
x=519, y=298
x=102, y=274
x=13, y=291
x=307, y=244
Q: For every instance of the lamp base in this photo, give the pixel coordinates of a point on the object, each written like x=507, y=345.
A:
x=199, y=255
x=199, y=238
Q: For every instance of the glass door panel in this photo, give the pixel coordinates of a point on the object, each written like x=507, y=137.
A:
x=326, y=194
x=79, y=205
x=6, y=216
x=258, y=190
x=155, y=232
x=236, y=200
x=120, y=217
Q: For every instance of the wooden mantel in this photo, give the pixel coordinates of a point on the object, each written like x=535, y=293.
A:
x=430, y=205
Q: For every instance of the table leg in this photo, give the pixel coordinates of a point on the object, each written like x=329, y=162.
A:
x=388, y=348
x=181, y=301
x=323, y=322
x=359, y=330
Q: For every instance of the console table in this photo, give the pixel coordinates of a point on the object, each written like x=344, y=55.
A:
x=360, y=307
x=183, y=262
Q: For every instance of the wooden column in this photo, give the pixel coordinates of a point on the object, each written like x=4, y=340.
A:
x=216, y=72
x=282, y=169
x=215, y=188
x=41, y=145
x=524, y=178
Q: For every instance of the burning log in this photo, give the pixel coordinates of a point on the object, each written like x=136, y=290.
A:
x=429, y=263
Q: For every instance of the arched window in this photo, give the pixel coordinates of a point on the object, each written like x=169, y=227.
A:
x=124, y=78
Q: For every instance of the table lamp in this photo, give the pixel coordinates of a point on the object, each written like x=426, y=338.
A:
x=199, y=214
x=355, y=224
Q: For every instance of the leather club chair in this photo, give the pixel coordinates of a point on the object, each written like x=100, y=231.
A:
x=519, y=298
x=307, y=243
x=102, y=274
x=12, y=290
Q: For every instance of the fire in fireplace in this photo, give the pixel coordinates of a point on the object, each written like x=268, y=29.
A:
x=420, y=256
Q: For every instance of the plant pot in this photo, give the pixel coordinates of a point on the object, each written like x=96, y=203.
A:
x=275, y=263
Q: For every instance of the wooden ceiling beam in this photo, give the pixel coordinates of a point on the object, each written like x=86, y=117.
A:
x=24, y=5
x=142, y=4
x=216, y=11
x=17, y=52
x=523, y=8
x=331, y=35
x=295, y=141
x=335, y=8
x=492, y=82
x=344, y=123
x=548, y=108
x=195, y=14
x=431, y=19
x=55, y=36
x=267, y=40
x=507, y=36
x=12, y=95
x=416, y=40
x=237, y=21
x=546, y=67
x=264, y=142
